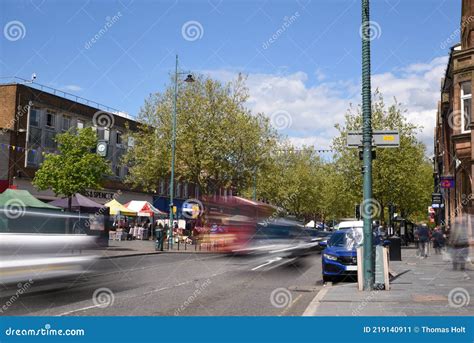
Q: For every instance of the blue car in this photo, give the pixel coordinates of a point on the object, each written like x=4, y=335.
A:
x=339, y=258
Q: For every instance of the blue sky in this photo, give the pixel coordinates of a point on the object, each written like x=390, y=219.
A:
x=309, y=72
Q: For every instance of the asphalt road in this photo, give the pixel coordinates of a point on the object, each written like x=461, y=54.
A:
x=177, y=284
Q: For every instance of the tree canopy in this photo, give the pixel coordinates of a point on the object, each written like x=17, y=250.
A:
x=76, y=168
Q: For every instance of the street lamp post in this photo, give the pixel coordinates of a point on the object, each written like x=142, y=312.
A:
x=368, y=265
x=189, y=78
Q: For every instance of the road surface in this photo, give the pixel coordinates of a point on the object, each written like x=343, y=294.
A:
x=176, y=284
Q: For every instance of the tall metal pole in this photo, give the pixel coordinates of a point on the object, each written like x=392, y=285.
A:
x=173, y=153
x=369, y=272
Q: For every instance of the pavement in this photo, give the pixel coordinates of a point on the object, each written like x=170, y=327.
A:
x=423, y=287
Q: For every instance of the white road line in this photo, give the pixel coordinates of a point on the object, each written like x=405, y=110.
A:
x=267, y=263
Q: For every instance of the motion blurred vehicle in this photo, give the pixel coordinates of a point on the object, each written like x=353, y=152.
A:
x=240, y=226
x=35, y=245
x=320, y=237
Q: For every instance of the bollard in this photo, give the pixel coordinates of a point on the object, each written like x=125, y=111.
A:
x=178, y=244
x=185, y=245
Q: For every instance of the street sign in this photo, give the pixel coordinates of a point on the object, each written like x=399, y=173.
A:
x=436, y=198
x=380, y=139
x=446, y=182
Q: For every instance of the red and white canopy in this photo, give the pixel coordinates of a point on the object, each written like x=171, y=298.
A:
x=143, y=208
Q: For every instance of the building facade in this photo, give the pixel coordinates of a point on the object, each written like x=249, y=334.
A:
x=31, y=115
x=454, y=141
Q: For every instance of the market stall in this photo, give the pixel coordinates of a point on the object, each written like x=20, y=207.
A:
x=122, y=222
x=147, y=214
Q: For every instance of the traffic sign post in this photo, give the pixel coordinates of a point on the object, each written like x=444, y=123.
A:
x=380, y=139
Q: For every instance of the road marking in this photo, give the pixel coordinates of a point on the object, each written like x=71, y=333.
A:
x=77, y=310
x=290, y=306
x=138, y=295
x=267, y=263
x=314, y=304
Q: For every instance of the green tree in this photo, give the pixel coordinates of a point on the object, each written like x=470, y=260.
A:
x=402, y=175
x=76, y=167
x=292, y=179
x=219, y=142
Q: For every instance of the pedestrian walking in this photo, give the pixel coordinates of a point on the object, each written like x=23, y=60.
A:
x=423, y=240
x=459, y=242
x=438, y=240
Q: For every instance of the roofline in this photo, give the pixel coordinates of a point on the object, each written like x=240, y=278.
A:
x=15, y=80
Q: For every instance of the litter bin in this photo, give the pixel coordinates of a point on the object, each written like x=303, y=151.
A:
x=395, y=248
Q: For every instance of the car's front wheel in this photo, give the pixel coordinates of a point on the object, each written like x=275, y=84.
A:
x=327, y=278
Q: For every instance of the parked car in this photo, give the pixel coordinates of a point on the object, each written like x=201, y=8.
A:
x=339, y=257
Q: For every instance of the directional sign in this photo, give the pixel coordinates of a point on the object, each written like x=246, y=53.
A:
x=446, y=182
x=380, y=139
x=436, y=198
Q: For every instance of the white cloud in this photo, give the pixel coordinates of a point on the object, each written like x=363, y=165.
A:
x=315, y=109
x=73, y=88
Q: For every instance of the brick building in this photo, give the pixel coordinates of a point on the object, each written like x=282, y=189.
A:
x=454, y=141
x=31, y=115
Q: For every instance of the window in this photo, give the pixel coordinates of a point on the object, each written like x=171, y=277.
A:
x=66, y=123
x=50, y=119
x=118, y=171
x=80, y=124
x=34, y=138
x=32, y=157
x=466, y=98
x=178, y=190
x=118, y=138
x=34, y=117
x=185, y=191
x=131, y=142
x=103, y=134
x=49, y=141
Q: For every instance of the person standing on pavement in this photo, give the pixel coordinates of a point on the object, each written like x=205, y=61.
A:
x=423, y=239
